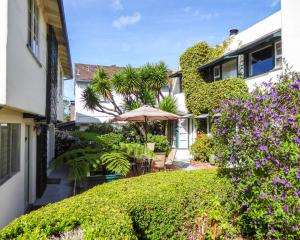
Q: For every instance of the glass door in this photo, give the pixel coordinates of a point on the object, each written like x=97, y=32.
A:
x=27, y=166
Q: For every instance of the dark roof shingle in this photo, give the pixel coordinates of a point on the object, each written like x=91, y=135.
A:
x=85, y=72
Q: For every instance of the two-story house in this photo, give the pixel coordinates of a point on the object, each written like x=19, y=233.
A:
x=257, y=54
x=34, y=61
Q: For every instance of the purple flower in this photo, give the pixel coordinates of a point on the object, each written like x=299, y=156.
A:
x=261, y=196
x=257, y=164
x=263, y=148
x=286, y=208
x=297, y=140
x=295, y=85
x=298, y=175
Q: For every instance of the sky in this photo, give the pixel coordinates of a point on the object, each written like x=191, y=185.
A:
x=135, y=32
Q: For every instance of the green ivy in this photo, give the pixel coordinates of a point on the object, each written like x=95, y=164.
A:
x=202, y=97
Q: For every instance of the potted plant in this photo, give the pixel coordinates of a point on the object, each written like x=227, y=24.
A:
x=161, y=147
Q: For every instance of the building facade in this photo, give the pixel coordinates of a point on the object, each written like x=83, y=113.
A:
x=258, y=54
x=34, y=61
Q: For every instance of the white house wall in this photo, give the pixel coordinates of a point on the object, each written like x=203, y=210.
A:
x=254, y=81
x=12, y=200
x=3, y=42
x=258, y=30
x=84, y=116
x=26, y=79
x=291, y=32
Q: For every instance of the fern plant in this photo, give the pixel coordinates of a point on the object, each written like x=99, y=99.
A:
x=116, y=162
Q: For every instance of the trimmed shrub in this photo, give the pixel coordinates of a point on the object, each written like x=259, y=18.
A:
x=161, y=143
x=202, y=148
x=171, y=205
x=260, y=139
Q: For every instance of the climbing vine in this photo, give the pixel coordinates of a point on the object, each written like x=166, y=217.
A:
x=202, y=97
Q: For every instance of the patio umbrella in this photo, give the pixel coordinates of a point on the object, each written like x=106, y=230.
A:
x=146, y=114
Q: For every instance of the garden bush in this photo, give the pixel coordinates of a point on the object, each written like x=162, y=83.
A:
x=172, y=205
x=202, y=148
x=65, y=141
x=161, y=143
x=100, y=128
x=260, y=139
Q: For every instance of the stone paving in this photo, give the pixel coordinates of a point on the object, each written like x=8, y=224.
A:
x=56, y=192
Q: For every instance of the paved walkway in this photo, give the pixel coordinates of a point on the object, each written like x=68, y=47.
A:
x=56, y=192
x=188, y=165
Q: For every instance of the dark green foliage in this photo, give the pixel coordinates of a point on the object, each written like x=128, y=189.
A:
x=161, y=143
x=202, y=97
x=172, y=205
x=202, y=148
x=65, y=141
x=100, y=128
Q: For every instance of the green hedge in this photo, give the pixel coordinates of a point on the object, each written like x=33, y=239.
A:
x=202, y=97
x=170, y=205
x=202, y=148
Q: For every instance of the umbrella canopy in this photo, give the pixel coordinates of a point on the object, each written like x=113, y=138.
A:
x=146, y=113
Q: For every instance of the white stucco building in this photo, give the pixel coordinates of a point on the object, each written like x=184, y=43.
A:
x=34, y=61
x=256, y=54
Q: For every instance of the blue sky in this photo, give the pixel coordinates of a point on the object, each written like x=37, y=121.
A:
x=121, y=32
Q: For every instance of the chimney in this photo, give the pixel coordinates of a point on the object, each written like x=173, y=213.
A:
x=233, y=32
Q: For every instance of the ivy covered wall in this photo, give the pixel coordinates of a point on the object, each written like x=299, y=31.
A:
x=202, y=97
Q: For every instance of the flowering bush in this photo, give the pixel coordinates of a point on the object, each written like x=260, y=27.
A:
x=259, y=139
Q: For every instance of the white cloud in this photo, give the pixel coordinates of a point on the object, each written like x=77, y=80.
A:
x=117, y=4
x=202, y=16
x=274, y=3
x=124, y=21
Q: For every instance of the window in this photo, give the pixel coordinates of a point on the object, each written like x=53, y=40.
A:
x=261, y=61
x=278, y=55
x=229, y=69
x=33, y=27
x=217, y=73
x=9, y=150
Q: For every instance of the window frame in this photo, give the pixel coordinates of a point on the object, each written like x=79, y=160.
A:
x=13, y=165
x=33, y=39
x=217, y=77
x=250, y=69
x=277, y=56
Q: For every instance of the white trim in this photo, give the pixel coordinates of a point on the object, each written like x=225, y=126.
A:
x=276, y=55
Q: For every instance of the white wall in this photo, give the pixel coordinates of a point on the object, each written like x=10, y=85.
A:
x=258, y=30
x=290, y=10
x=3, y=42
x=12, y=200
x=252, y=82
x=85, y=116
x=26, y=80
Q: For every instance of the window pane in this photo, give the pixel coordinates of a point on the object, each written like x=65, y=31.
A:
x=279, y=62
x=9, y=150
x=229, y=69
x=4, y=153
x=261, y=61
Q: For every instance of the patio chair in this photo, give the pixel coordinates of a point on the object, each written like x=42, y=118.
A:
x=159, y=162
x=171, y=158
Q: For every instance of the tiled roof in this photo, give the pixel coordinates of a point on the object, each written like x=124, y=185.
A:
x=86, y=71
